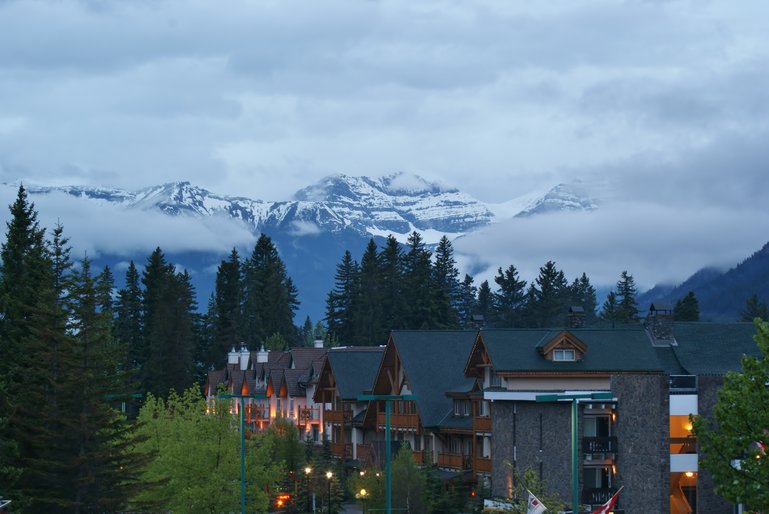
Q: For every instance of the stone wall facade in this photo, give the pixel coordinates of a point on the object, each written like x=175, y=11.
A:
x=707, y=499
x=643, y=438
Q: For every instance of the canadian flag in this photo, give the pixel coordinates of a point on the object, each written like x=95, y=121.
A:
x=606, y=507
x=535, y=506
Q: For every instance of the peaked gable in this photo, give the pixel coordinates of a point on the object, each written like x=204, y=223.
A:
x=563, y=341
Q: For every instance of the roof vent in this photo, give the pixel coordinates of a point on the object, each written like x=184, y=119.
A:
x=244, y=355
x=262, y=355
x=233, y=356
x=318, y=343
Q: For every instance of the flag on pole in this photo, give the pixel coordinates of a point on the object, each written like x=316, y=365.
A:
x=606, y=507
x=535, y=506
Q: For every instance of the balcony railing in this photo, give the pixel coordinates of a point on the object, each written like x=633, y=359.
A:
x=256, y=413
x=454, y=460
x=591, y=445
x=418, y=457
x=597, y=495
x=679, y=445
x=341, y=450
x=482, y=424
x=409, y=421
x=482, y=465
x=309, y=415
x=337, y=416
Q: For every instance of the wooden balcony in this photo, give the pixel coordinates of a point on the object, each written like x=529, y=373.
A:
x=309, y=415
x=341, y=450
x=418, y=457
x=482, y=424
x=337, y=416
x=454, y=461
x=402, y=421
x=256, y=413
x=482, y=464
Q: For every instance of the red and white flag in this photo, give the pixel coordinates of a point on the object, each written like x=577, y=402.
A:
x=606, y=507
x=535, y=506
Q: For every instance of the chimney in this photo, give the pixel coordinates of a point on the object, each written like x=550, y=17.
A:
x=659, y=323
x=318, y=343
x=478, y=321
x=261, y=355
x=576, y=317
x=244, y=355
x=232, y=357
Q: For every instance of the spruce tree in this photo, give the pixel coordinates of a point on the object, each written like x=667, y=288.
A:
x=228, y=299
x=485, y=304
x=417, y=285
x=610, y=309
x=446, y=288
x=25, y=272
x=754, y=308
x=687, y=308
x=627, y=308
x=369, y=329
x=393, y=301
x=508, y=302
x=582, y=294
x=270, y=298
x=468, y=303
x=342, y=300
x=549, y=296
x=129, y=325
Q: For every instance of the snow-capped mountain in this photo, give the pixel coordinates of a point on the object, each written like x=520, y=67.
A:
x=313, y=229
x=396, y=204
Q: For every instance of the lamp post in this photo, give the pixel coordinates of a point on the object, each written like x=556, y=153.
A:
x=362, y=494
x=242, y=398
x=307, y=471
x=329, y=476
x=388, y=477
x=545, y=398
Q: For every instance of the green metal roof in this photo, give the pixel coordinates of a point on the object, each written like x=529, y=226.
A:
x=714, y=348
x=434, y=363
x=354, y=369
x=608, y=349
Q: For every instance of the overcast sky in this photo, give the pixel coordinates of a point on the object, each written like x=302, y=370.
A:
x=664, y=103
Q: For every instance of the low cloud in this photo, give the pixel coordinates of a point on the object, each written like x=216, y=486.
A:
x=96, y=228
x=304, y=228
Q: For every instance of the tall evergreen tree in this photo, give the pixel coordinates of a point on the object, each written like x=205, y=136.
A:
x=446, y=288
x=610, y=309
x=582, y=293
x=754, y=308
x=417, y=285
x=468, y=303
x=687, y=308
x=228, y=299
x=549, y=296
x=269, y=296
x=508, y=302
x=341, y=301
x=627, y=308
x=129, y=326
x=393, y=301
x=25, y=272
x=369, y=329
x=485, y=304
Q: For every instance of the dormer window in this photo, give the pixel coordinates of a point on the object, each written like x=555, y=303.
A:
x=562, y=355
x=565, y=347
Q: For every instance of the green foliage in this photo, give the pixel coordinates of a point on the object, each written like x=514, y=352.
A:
x=548, y=297
x=526, y=481
x=627, y=307
x=509, y=301
x=687, y=308
x=276, y=343
x=732, y=444
x=196, y=464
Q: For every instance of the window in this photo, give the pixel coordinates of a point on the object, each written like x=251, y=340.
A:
x=461, y=407
x=564, y=355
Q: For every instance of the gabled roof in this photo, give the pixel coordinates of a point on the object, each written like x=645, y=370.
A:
x=433, y=361
x=608, y=349
x=302, y=358
x=713, y=348
x=293, y=386
x=354, y=369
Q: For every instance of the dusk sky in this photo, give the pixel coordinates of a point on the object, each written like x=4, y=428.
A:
x=660, y=107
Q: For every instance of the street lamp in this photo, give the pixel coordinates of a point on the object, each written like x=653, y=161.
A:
x=242, y=398
x=388, y=476
x=307, y=471
x=362, y=495
x=329, y=475
x=544, y=398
